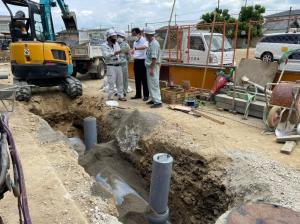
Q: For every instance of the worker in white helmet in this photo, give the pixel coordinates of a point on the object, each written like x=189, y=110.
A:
x=111, y=53
x=152, y=63
x=124, y=58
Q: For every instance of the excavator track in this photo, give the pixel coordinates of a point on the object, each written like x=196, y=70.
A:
x=72, y=87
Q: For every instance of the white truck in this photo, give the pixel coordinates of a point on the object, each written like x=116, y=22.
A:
x=194, y=49
x=86, y=51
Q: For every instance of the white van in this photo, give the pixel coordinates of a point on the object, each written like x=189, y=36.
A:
x=194, y=50
x=273, y=46
x=293, y=63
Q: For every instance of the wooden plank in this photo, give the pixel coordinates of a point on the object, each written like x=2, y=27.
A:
x=201, y=114
x=288, y=147
x=194, y=112
x=288, y=138
x=180, y=108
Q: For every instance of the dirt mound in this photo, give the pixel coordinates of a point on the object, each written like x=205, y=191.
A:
x=130, y=127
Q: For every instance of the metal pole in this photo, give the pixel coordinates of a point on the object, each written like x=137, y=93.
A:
x=180, y=44
x=249, y=38
x=234, y=74
x=235, y=41
x=290, y=14
x=223, y=44
x=209, y=49
x=177, y=44
x=189, y=44
x=160, y=188
x=169, y=46
x=165, y=41
x=218, y=4
x=90, y=132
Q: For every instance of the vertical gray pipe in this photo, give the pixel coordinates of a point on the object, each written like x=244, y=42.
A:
x=90, y=132
x=160, y=188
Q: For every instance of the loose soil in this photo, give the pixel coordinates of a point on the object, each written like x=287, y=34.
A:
x=216, y=167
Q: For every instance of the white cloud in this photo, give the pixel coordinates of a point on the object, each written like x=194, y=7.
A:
x=121, y=13
x=86, y=13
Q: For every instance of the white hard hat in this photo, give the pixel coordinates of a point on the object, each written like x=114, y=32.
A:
x=149, y=30
x=121, y=33
x=110, y=33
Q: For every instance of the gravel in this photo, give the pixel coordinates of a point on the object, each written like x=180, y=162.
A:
x=254, y=177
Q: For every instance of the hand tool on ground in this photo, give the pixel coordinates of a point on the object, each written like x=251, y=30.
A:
x=198, y=113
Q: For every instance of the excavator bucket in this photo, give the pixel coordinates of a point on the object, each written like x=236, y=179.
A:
x=70, y=21
x=16, y=2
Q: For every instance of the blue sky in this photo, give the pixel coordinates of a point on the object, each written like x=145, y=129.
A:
x=121, y=13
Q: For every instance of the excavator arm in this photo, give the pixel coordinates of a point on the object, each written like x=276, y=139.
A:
x=68, y=17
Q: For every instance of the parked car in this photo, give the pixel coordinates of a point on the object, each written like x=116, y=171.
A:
x=293, y=63
x=272, y=46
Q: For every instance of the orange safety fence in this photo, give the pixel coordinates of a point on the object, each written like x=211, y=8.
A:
x=182, y=43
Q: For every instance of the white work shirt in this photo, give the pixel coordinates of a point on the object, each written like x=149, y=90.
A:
x=108, y=52
x=140, y=54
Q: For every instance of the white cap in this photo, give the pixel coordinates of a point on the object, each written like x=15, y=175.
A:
x=111, y=33
x=149, y=30
x=121, y=33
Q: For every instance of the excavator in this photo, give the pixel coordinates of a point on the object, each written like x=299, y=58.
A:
x=37, y=60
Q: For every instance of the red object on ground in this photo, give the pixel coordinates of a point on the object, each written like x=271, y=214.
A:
x=251, y=213
x=220, y=82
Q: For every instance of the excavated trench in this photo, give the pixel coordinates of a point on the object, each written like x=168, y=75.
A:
x=127, y=141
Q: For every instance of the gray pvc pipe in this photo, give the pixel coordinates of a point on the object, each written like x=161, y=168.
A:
x=90, y=132
x=160, y=185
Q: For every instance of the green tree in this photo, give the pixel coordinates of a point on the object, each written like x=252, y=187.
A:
x=250, y=13
x=222, y=15
x=247, y=14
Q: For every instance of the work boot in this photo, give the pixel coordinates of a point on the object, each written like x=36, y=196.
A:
x=156, y=105
x=136, y=97
x=150, y=102
x=122, y=99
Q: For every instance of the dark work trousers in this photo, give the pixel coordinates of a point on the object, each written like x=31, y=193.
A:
x=140, y=75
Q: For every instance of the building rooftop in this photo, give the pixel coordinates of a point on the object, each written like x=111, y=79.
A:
x=295, y=12
x=281, y=25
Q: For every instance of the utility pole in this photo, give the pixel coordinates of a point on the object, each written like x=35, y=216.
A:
x=168, y=30
x=175, y=19
x=246, y=1
x=218, y=4
x=290, y=14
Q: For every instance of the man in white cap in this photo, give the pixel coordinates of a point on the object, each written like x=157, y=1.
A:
x=152, y=63
x=124, y=58
x=111, y=51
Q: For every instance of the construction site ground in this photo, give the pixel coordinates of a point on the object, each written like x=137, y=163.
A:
x=216, y=166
